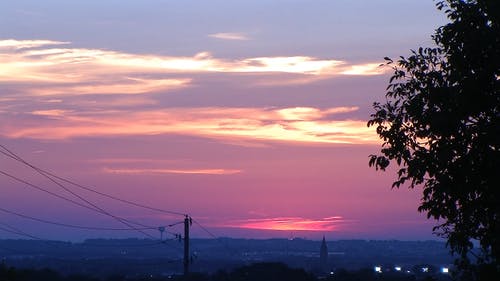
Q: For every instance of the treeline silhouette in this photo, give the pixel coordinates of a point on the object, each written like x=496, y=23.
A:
x=255, y=272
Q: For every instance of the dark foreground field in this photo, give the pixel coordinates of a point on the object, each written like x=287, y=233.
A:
x=254, y=272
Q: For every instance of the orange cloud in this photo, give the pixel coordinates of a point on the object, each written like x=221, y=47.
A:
x=293, y=125
x=288, y=224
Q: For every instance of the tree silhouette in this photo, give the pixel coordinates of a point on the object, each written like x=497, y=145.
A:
x=440, y=124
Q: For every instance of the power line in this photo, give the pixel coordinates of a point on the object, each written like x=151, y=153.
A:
x=204, y=229
x=13, y=230
x=39, y=170
x=101, y=210
x=52, y=177
x=81, y=205
x=65, y=224
x=116, y=198
x=45, y=190
x=175, y=223
x=215, y=237
x=81, y=226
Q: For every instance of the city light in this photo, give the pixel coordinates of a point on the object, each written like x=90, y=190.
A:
x=425, y=269
x=378, y=269
x=445, y=270
x=397, y=268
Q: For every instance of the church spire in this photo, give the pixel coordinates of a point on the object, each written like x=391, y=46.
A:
x=323, y=256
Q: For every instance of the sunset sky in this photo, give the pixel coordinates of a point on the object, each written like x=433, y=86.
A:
x=248, y=115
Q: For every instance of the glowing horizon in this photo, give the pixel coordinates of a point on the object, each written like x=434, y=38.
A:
x=330, y=224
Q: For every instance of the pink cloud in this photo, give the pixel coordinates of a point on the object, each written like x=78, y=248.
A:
x=171, y=171
x=288, y=224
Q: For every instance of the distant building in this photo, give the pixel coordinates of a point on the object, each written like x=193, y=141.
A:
x=323, y=256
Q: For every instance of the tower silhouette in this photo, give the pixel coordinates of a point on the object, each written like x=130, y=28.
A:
x=323, y=256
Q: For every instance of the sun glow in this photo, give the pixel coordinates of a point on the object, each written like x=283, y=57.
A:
x=289, y=224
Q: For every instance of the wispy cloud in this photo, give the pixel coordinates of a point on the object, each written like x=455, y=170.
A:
x=126, y=86
x=229, y=36
x=127, y=160
x=59, y=81
x=171, y=171
x=288, y=224
x=310, y=113
x=50, y=112
x=292, y=125
x=24, y=44
x=364, y=69
x=45, y=68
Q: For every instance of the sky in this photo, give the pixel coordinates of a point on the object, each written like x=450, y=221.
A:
x=250, y=116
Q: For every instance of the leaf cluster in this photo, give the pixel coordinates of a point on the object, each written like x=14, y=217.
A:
x=440, y=123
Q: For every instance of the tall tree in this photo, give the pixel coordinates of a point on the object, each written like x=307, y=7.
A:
x=440, y=123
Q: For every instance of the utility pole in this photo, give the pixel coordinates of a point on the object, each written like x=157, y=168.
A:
x=187, y=224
